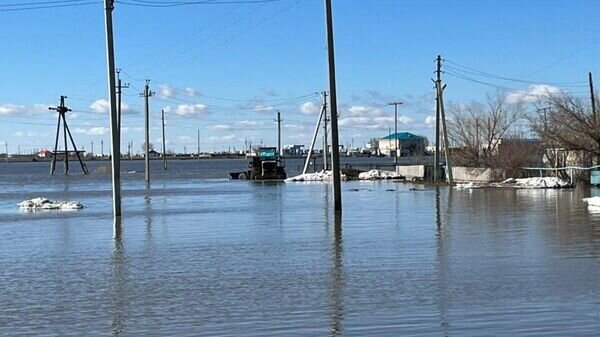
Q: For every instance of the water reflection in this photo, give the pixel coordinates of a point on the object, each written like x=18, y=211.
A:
x=337, y=277
x=119, y=279
x=441, y=264
x=148, y=220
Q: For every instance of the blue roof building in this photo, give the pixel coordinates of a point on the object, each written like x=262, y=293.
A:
x=409, y=144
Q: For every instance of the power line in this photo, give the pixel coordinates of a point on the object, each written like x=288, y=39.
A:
x=468, y=70
x=165, y=4
x=45, y=5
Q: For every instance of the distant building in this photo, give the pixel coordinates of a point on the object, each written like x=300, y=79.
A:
x=293, y=150
x=408, y=144
x=44, y=153
x=153, y=154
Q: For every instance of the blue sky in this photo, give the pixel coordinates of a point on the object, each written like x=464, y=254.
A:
x=225, y=69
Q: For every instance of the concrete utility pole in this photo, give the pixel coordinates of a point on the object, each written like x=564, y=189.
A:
x=279, y=133
x=445, y=131
x=395, y=104
x=92, y=153
x=325, y=131
x=436, y=158
x=335, y=149
x=147, y=94
x=313, y=140
x=164, y=148
x=198, y=143
x=120, y=87
x=129, y=145
x=6, y=148
x=592, y=97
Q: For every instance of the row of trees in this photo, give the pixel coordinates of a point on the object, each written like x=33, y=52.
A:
x=491, y=134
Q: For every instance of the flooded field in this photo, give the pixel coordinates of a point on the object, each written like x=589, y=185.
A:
x=199, y=255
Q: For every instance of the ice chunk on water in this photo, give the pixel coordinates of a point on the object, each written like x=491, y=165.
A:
x=46, y=204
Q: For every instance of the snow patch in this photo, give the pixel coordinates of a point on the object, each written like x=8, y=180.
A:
x=317, y=176
x=538, y=182
x=468, y=186
x=46, y=204
x=378, y=174
x=593, y=201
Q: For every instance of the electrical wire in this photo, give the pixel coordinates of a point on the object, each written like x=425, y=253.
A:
x=165, y=4
x=471, y=71
x=25, y=6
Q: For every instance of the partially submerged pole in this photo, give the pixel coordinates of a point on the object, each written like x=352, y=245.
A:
x=115, y=158
x=164, y=148
x=335, y=149
x=325, y=132
x=450, y=177
x=147, y=94
x=312, y=142
x=436, y=158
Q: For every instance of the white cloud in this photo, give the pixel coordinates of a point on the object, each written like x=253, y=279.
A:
x=27, y=134
x=101, y=106
x=219, y=127
x=309, y=108
x=405, y=120
x=190, y=109
x=223, y=138
x=247, y=123
x=264, y=108
x=191, y=92
x=11, y=109
x=93, y=131
x=166, y=91
x=430, y=120
x=361, y=110
x=533, y=93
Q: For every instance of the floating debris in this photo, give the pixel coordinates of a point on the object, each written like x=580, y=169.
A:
x=531, y=183
x=538, y=182
x=317, y=176
x=46, y=204
x=469, y=186
x=379, y=175
x=592, y=201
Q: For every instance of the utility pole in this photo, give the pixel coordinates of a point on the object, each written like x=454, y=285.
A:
x=114, y=126
x=445, y=130
x=62, y=110
x=592, y=97
x=147, y=94
x=129, y=145
x=120, y=87
x=325, y=131
x=101, y=149
x=198, y=142
x=6, y=148
x=436, y=158
x=164, y=148
x=92, y=152
x=395, y=104
x=279, y=133
x=335, y=150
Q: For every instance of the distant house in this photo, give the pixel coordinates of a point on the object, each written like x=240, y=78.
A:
x=153, y=154
x=408, y=144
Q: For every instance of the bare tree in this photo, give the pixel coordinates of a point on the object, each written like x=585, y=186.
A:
x=567, y=124
x=150, y=146
x=477, y=129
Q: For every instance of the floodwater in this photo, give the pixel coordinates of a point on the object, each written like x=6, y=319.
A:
x=199, y=255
